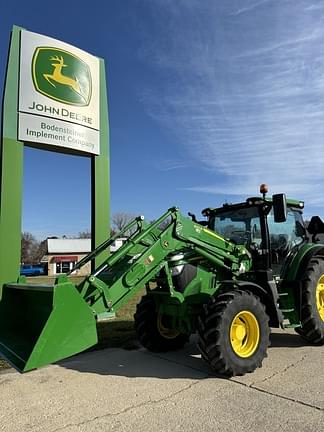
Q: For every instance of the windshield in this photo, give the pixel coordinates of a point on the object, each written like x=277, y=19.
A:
x=242, y=226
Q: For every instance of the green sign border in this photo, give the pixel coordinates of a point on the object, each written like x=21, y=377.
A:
x=11, y=181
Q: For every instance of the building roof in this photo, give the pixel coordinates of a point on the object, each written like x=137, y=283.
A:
x=68, y=246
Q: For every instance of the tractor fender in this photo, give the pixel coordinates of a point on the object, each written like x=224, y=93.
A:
x=295, y=269
x=299, y=262
x=268, y=298
x=318, y=252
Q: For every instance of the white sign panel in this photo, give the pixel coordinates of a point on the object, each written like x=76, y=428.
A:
x=58, y=94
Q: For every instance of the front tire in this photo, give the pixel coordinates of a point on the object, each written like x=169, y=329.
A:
x=234, y=333
x=152, y=328
x=312, y=303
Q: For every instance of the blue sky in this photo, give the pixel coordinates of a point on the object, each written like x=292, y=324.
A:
x=207, y=99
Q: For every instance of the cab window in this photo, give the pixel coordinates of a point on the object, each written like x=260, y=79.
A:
x=285, y=235
x=241, y=226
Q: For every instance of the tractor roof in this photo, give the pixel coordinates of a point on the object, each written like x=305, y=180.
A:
x=252, y=201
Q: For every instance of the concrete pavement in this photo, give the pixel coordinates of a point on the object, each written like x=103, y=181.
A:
x=118, y=390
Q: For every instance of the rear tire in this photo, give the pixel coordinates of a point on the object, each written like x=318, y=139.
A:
x=234, y=333
x=312, y=303
x=152, y=331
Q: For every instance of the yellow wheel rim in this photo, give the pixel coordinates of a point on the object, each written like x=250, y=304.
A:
x=166, y=332
x=245, y=334
x=320, y=297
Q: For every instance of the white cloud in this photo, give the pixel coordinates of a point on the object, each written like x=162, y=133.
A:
x=249, y=8
x=247, y=102
x=315, y=7
x=171, y=164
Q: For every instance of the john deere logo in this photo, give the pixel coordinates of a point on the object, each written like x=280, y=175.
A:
x=61, y=76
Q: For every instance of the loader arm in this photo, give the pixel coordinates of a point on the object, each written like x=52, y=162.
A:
x=147, y=252
x=40, y=324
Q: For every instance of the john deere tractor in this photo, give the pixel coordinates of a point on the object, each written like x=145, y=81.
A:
x=245, y=268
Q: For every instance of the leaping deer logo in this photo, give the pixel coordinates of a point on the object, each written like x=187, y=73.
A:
x=58, y=77
x=62, y=76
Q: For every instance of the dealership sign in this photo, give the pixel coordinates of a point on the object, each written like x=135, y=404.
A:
x=58, y=94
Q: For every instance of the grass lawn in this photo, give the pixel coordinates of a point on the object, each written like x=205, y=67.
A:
x=115, y=333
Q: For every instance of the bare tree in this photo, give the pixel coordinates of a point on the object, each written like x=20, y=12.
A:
x=40, y=251
x=163, y=225
x=86, y=234
x=120, y=220
x=29, y=247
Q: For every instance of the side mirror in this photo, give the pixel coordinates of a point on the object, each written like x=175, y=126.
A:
x=315, y=226
x=279, y=204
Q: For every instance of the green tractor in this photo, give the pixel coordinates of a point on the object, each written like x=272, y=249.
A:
x=283, y=287
x=245, y=268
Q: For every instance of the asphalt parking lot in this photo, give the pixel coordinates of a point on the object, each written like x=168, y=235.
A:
x=119, y=390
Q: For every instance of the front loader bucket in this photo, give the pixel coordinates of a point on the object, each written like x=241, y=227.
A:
x=41, y=324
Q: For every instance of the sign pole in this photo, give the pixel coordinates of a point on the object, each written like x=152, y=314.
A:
x=100, y=217
x=11, y=171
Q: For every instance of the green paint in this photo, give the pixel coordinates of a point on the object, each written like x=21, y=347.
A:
x=44, y=327
x=303, y=253
x=40, y=324
x=101, y=176
x=11, y=172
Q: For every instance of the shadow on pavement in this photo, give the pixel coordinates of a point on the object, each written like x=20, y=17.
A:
x=185, y=363
x=287, y=340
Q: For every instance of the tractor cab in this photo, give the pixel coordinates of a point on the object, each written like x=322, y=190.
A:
x=272, y=229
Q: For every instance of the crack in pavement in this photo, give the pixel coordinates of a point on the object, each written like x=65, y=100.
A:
x=148, y=402
x=279, y=372
x=287, y=398
x=254, y=386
